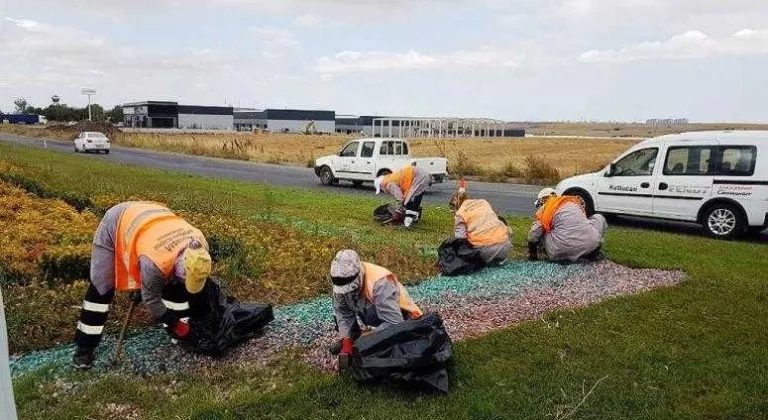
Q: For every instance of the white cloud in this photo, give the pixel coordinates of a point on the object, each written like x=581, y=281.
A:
x=276, y=42
x=354, y=61
x=691, y=44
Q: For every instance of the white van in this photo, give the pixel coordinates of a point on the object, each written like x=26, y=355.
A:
x=718, y=179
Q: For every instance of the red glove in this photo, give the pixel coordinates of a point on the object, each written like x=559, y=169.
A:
x=181, y=329
x=346, y=347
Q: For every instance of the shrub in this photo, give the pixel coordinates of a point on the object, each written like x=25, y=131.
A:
x=462, y=165
x=538, y=168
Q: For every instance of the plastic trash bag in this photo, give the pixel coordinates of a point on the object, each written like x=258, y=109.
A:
x=219, y=322
x=383, y=214
x=415, y=351
x=457, y=256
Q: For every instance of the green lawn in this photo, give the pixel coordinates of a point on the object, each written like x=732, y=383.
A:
x=699, y=350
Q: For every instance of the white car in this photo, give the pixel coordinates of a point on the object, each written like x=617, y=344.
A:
x=718, y=179
x=365, y=159
x=92, y=141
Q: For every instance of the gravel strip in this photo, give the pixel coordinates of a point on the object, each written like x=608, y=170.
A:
x=470, y=306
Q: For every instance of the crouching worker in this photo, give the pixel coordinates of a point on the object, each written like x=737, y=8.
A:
x=142, y=246
x=408, y=187
x=475, y=221
x=563, y=229
x=368, y=294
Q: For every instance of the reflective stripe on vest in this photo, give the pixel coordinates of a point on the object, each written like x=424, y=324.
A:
x=403, y=179
x=546, y=213
x=483, y=225
x=155, y=232
x=374, y=273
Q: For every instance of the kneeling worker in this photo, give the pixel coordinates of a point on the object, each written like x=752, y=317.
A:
x=408, y=187
x=142, y=246
x=564, y=230
x=368, y=293
x=476, y=221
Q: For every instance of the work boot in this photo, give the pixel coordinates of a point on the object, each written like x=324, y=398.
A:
x=83, y=358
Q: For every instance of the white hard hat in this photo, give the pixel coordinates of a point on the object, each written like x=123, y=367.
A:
x=377, y=183
x=546, y=192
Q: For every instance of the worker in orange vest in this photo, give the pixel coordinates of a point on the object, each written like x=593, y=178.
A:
x=142, y=247
x=368, y=294
x=475, y=221
x=408, y=187
x=562, y=227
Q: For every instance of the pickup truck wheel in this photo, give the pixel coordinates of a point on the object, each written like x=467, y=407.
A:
x=326, y=177
x=723, y=221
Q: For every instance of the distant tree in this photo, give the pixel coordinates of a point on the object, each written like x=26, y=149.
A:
x=21, y=105
x=116, y=114
x=97, y=112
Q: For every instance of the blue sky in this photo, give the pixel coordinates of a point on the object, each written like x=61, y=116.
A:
x=516, y=60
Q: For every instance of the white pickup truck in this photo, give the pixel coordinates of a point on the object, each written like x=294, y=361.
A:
x=365, y=159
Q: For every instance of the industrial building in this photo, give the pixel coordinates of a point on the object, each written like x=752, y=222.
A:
x=162, y=114
x=408, y=127
x=286, y=121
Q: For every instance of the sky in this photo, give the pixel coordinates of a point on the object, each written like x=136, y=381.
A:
x=517, y=60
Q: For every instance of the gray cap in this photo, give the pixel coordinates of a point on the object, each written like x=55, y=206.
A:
x=345, y=271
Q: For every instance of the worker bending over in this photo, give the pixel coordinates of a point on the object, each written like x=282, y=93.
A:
x=408, y=187
x=142, y=246
x=475, y=221
x=366, y=293
x=564, y=230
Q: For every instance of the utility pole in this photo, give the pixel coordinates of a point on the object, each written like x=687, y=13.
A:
x=88, y=92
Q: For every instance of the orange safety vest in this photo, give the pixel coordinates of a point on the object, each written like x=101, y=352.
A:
x=403, y=178
x=155, y=232
x=483, y=225
x=546, y=213
x=374, y=273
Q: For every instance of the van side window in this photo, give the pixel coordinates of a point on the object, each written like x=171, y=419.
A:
x=689, y=160
x=367, y=150
x=638, y=163
x=736, y=160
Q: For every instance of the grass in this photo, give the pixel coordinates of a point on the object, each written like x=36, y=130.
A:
x=693, y=351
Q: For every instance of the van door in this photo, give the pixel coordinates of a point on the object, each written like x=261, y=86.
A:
x=685, y=181
x=628, y=189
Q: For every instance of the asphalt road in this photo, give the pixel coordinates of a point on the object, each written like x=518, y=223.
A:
x=506, y=198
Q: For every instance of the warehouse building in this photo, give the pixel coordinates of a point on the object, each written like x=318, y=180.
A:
x=286, y=121
x=408, y=127
x=162, y=114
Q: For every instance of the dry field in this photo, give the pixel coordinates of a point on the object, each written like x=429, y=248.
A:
x=625, y=129
x=481, y=157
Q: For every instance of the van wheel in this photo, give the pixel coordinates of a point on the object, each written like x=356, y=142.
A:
x=589, y=206
x=326, y=177
x=723, y=221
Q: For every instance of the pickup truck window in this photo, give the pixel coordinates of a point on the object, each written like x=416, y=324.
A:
x=387, y=148
x=350, y=150
x=367, y=150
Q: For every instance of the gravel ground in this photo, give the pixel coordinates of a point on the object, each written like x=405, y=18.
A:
x=470, y=306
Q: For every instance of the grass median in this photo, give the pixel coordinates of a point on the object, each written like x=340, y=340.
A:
x=693, y=351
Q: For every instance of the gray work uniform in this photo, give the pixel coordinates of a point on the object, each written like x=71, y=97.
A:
x=419, y=186
x=573, y=234
x=491, y=254
x=103, y=265
x=383, y=312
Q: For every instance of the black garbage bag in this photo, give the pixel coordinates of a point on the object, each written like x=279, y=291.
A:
x=219, y=322
x=384, y=213
x=457, y=256
x=415, y=351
